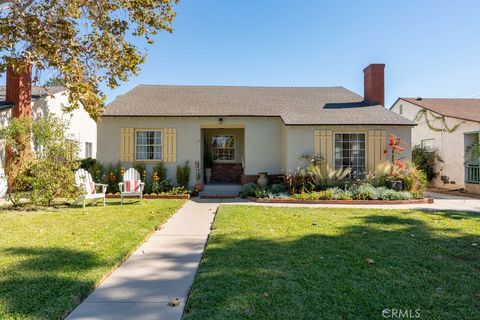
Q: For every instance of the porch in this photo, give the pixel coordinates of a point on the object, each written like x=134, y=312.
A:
x=472, y=162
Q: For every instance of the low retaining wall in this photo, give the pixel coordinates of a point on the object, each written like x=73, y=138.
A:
x=412, y=201
x=148, y=196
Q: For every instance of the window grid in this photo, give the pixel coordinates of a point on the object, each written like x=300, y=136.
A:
x=428, y=144
x=350, y=151
x=148, y=145
x=223, y=147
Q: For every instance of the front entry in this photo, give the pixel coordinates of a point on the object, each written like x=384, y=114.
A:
x=223, y=148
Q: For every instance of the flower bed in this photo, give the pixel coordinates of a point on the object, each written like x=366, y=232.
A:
x=310, y=201
x=155, y=196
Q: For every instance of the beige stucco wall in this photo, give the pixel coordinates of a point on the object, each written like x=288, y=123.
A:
x=81, y=127
x=262, y=140
x=451, y=145
x=300, y=140
x=269, y=145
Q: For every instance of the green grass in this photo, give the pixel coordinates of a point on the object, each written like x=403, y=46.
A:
x=291, y=263
x=51, y=260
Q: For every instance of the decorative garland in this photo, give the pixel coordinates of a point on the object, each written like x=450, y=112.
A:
x=423, y=113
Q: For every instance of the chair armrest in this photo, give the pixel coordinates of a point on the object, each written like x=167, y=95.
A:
x=120, y=186
x=104, y=186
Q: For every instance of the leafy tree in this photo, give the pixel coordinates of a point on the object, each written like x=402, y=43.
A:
x=55, y=82
x=86, y=42
x=56, y=161
x=17, y=139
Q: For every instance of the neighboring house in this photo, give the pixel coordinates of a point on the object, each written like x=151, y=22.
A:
x=451, y=126
x=250, y=129
x=42, y=102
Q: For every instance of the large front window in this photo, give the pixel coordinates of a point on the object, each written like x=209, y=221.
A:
x=148, y=145
x=223, y=147
x=350, y=151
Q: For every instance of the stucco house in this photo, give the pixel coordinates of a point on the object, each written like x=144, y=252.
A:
x=452, y=126
x=250, y=129
x=18, y=97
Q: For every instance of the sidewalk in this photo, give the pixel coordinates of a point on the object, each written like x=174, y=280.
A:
x=161, y=270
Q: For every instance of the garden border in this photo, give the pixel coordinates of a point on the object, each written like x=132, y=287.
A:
x=148, y=196
x=310, y=201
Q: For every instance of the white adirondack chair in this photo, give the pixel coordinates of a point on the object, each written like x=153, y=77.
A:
x=90, y=190
x=3, y=184
x=132, y=184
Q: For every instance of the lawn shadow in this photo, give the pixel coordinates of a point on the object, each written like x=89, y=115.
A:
x=45, y=282
x=383, y=261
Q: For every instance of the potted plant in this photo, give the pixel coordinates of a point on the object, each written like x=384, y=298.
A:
x=262, y=180
x=208, y=163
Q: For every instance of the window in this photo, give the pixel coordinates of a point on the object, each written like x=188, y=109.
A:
x=148, y=145
x=350, y=151
x=223, y=147
x=88, y=149
x=428, y=144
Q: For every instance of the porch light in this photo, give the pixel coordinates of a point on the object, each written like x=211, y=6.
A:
x=220, y=120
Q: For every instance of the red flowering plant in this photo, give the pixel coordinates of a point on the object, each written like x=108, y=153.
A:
x=397, y=148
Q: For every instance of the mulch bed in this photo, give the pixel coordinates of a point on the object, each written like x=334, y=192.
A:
x=148, y=196
x=411, y=201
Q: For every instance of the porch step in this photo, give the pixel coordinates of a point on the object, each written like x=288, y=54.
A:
x=228, y=190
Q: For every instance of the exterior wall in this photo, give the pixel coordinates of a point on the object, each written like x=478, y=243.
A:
x=269, y=145
x=81, y=127
x=451, y=146
x=262, y=140
x=300, y=141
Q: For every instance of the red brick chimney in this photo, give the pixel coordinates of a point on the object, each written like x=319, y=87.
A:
x=374, y=83
x=19, y=90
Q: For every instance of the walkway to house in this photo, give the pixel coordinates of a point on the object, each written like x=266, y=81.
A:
x=164, y=267
x=160, y=271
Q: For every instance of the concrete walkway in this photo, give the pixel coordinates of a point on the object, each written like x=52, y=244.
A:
x=161, y=270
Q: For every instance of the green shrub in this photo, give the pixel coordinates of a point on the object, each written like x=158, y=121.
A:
x=426, y=161
x=161, y=171
x=163, y=186
x=261, y=192
x=183, y=175
x=248, y=190
x=364, y=192
x=277, y=188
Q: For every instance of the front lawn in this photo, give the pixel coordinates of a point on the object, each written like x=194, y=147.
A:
x=302, y=263
x=51, y=260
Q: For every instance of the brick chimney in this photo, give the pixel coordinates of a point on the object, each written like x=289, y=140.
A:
x=19, y=90
x=374, y=83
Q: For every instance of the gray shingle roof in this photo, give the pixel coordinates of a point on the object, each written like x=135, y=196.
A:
x=295, y=105
x=37, y=93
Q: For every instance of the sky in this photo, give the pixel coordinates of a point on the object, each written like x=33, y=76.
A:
x=430, y=48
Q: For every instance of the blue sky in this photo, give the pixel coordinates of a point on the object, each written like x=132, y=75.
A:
x=430, y=48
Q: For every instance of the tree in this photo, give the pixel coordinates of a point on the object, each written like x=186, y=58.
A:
x=55, y=82
x=86, y=42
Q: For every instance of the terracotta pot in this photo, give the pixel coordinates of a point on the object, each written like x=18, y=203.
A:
x=262, y=180
x=208, y=174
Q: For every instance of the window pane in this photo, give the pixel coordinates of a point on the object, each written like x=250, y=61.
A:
x=223, y=147
x=350, y=151
x=148, y=145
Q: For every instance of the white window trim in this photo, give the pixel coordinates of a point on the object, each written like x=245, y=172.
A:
x=161, y=145
x=234, y=147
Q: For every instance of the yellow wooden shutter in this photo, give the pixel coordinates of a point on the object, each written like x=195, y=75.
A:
x=323, y=146
x=377, y=144
x=127, y=145
x=170, y=145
